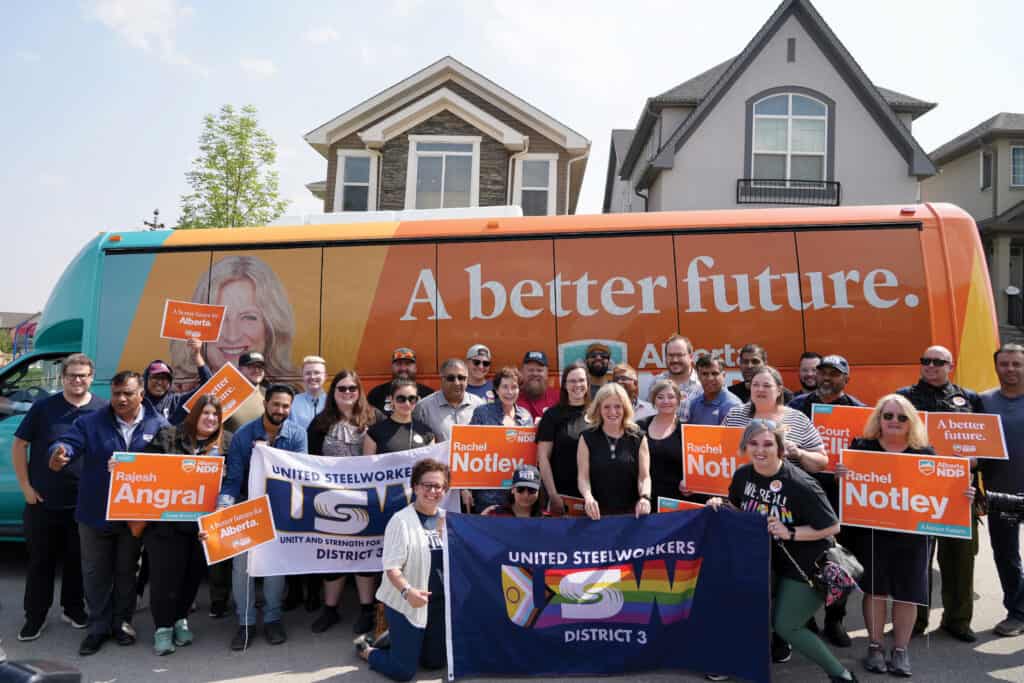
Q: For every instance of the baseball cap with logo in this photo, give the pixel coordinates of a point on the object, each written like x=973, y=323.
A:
x=837, y=362
x=478, y=351
x=536, y=357
x=252, y=358
x=158, y=367
x=403, y=353
x=528, y=476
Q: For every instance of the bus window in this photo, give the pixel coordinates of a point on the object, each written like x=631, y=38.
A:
x=27, y=383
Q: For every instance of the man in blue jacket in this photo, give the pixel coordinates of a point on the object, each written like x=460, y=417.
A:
x=110, y=553
x=273, y=429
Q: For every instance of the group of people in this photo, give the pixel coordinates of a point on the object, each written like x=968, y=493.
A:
x=598, y=441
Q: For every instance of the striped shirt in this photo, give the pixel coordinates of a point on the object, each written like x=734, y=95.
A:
x=799, y=429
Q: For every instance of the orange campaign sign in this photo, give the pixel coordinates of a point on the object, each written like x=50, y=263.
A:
x=838, y=426
x=967, y=435
x=227, y=384
x=574, y=506
x=186, y=320
x=710, y=458
x=237, y=529
x=917, y=494
x=486, y=457
x=147, y=487
x=673, y=505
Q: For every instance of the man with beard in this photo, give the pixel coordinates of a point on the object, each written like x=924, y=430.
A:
x=598, y=359
x=809, y=361
x=832, y=375
x=403, y=365
x=679, y=364
x=625, y=374
x=752, y=357
x=157, y=379
x=534, y=394
x=273, y=429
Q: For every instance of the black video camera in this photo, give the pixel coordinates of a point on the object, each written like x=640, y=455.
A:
x=1008, y=505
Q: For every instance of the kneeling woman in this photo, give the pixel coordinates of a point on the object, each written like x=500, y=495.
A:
x=413, y=592
x=801, y=521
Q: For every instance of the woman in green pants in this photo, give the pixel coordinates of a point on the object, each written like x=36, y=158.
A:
x=800, y=519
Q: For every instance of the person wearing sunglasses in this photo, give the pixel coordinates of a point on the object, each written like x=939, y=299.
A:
x=523, y=499
x=895, y=564
x=403, y=366
x=413, y=589
x=506, y=413
x=478, y=362
x=399, y=431
x=598, y=358
x=452, y=405
x=934, y=392
x=340, y=431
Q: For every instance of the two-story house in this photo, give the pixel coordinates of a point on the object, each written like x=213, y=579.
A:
x=982, y=171
x=447, y=137
x=792, y=119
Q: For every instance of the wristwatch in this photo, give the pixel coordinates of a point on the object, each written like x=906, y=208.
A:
x=405, y=591
x=646, y=496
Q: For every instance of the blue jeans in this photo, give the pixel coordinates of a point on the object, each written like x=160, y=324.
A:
x=1005, y=538
x=243, y=590
x=410, y=646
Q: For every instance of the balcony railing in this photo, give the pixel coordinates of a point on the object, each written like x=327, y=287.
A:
x=782, y=191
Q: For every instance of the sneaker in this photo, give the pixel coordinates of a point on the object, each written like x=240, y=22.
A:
x=76, y=617
x=91, y=644
x=219, y=609
x=715, y=677
x=125, y=635
x=363, y=648
x=32, y=629
x=163, y=641
x=328, y=618
x=365, y=621
x=1009, y=627
x=274, y=633
x=899, y=663
x=781, y=650
x=836, y=634
x=875, y=661
x=242, y=638
x=182, y=634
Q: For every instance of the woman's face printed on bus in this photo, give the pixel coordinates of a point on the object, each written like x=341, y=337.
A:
x=244, y=326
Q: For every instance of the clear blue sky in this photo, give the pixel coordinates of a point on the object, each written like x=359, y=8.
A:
x=103, y=100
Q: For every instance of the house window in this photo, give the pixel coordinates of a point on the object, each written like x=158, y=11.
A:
x=535, y=186
x=1017, y=166
x=790, y=138
x=443, y=172
x=986, y=170
x=356, y=184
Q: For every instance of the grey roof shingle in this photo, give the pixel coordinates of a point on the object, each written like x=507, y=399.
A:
x=1002, y=123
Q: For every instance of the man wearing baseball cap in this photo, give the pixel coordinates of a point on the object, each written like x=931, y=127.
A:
x=157, y=379
x=403, y=364
x=598, y=358
x=253, y=367
x=535, y=395
x=833, y=373
x=478, y=363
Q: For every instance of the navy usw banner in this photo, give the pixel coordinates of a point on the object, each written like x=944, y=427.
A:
x=547, y=597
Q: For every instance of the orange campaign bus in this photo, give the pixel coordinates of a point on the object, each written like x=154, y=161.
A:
x=876, y=284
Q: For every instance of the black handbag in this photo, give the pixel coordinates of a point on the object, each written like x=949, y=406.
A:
x=836, y=572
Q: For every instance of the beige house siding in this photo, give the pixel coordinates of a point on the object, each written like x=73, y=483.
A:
x=1007, y=196
x=959, y=182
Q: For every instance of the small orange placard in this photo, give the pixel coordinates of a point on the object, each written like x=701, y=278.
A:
x=147, y=487
x=574, y=506
x=187, y=320
x=487, y=457
x=918, y=494
x=227, y=384
x=673, y=505
x=838, y=426
x=967, y=435
x=710, y=458
x=237, y=529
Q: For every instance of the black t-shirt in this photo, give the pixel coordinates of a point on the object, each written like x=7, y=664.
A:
x=666, y=461
x=614, y=470
x=391, y=436
x=562, y=427
x=380, y=396
x=48, y=420
x=796, y=499
x=435, y=582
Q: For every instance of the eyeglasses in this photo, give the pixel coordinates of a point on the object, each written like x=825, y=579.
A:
x=433, y=488
x=346, y=388
x=599, y=354
x=481, y=362
x=937, y=362
x=406, y=399
x=526, y=490
x=895, y=416
x=77, y=378
x=624, y=379
x=455, y=378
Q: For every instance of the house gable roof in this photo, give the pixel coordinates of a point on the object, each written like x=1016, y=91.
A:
x=429, y=78
x=1003, y=123
x=620, y=144
x=705, y=90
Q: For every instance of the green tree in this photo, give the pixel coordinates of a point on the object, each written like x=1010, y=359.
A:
x=233, y=182
x=6, y=343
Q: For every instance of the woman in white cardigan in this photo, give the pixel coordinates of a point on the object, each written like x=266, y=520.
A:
x=413, y=594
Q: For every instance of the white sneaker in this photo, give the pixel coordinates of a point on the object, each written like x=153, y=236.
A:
x=1009, y=627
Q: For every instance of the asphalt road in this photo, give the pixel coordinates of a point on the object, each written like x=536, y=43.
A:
x=308, y=658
